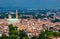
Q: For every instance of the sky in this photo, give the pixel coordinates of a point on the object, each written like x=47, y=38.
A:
x=30, y=3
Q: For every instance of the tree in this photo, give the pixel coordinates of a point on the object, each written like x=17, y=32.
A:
x=22, y=34
x=25, y=38
x=15, y=27
x=4, y=36
x=14, y=32
x=11, y=27
x=56, y=34
x=42, y=35
x=50, y=34
x=13, y=36
x=34, y=37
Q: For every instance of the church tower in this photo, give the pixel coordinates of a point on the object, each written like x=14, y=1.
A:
x=9, y=16
x=16, y=14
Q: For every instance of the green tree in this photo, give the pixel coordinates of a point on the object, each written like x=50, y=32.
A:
x=25, y=37
x=13, y=36
x=4, y=36
x=15, y=27
x=14, y=32
x=22, y=34
x=56, y=34
x=34, y=37
x=42, y=35
x=50, y=34
x=11, y=27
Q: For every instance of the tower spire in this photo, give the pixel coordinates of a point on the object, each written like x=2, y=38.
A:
x=16, y=14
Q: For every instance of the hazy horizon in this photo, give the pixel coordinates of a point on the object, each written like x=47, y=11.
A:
x=31, y=3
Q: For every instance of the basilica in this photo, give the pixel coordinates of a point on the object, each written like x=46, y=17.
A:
x=11, y=20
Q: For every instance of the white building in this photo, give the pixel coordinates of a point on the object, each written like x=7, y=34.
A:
x=13, y=20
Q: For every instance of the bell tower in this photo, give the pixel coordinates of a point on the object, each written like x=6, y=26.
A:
x=16, y=14
x=9, y=16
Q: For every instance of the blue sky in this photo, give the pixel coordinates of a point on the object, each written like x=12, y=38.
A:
x=30, y=3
